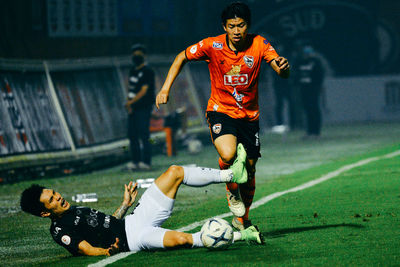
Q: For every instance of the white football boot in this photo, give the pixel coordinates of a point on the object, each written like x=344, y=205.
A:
x=235, y=203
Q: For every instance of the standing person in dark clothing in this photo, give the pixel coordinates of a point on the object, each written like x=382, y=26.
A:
x=310, y=78
x=140, y=101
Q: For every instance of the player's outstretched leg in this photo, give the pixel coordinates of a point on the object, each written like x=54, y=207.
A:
x=170, y=180
x=174, y=239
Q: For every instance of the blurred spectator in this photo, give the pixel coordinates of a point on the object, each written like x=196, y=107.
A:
x=283, y=94
x=309, y=78
x=139, y=104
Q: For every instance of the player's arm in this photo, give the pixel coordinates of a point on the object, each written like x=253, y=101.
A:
x=85, y=248
x=175, y=69
x=281, y=66
x=130, y=194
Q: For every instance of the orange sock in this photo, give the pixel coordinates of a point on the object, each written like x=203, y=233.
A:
x=247, y=191
x=223, y=165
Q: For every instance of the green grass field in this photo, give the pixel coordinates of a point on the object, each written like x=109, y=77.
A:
x=352, y=219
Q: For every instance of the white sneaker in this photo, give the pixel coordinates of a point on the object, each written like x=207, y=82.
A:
x=235, y=203
x=144, y=166
x=131, y=166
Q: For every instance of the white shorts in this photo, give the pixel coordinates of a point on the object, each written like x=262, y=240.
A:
x=142, y=228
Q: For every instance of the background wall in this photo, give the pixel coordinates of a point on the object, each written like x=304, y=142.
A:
x=356, y=37
x=76, y=103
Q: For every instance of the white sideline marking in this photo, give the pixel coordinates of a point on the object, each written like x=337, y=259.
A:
x=260, y=202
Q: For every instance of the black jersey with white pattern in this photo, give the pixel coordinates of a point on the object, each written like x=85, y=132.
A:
x=139, y=78
x=95, y=227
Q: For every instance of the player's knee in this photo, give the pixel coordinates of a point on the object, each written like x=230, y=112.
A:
x=175, y=172
x=228, y=155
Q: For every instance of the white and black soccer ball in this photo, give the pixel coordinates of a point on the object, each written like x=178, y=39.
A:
x=216, y=233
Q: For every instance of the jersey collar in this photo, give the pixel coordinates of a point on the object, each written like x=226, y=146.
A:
x=246, y=46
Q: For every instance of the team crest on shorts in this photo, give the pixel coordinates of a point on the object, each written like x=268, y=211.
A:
x=217, y=128
x=249, y=61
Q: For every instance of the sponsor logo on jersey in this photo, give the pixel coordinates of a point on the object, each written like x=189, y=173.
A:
x=218, y=45
x=238, y=97
x=234, y=78
x=235, y=70
x=266, y=42
x=66, y=240
x=193, y=49
x=249, y=61
x=215, y=107
x=217, y=128
x=201, y=43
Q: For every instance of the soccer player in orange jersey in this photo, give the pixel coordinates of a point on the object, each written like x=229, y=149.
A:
x=234, y=61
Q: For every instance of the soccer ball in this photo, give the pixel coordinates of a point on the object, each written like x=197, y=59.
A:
x=216, y=233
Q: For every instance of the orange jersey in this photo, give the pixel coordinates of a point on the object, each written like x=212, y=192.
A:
x=234, y=77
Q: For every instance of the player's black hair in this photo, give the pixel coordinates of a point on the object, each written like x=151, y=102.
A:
x=236, y=10
x=30, y=200
x=139, y=47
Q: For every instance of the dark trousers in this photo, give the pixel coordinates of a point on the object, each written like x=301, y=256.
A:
x=310, y=97
x=139, y=133
x=282, y=94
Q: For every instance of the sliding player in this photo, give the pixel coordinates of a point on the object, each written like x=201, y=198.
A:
x=86, y=231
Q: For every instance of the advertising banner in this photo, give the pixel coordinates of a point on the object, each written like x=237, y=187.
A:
x=93, y=104
x=28, y=121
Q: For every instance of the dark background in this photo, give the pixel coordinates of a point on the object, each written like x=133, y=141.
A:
x=356, y=37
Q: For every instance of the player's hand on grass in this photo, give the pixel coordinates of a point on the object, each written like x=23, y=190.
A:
x=282, y=63
x=162, y=98
x=114, y=249
x=130, y=194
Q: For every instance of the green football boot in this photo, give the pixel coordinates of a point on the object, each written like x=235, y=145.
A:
x=252, y=235
x=239, y=166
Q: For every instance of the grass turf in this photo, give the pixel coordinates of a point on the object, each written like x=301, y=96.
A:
x=352, y=219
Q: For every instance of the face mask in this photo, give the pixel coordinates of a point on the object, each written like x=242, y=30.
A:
x=137, y=60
